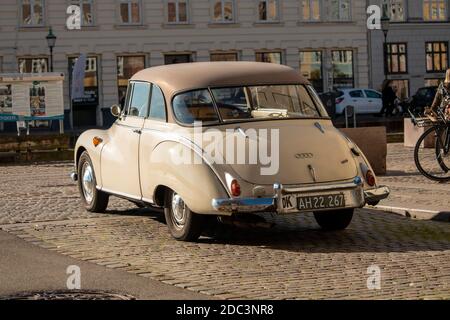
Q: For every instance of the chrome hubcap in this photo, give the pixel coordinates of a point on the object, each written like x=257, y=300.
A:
x=178, y=211
x=87, y=182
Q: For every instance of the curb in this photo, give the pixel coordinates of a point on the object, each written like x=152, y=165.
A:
x=418, y=214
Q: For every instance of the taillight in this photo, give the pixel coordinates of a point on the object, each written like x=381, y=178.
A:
x=339, y=100
x=235, y=188
x=370, y=178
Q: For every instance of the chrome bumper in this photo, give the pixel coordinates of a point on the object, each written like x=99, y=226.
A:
x=355, y=197
x=375, y=195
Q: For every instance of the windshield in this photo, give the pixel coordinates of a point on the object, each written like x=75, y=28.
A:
x=250, y=103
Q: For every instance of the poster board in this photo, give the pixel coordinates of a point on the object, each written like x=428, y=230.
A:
x=28, y=97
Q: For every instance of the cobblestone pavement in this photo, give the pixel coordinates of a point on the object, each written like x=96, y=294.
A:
x=409, y=188
x=294, y=260
x=43, y=193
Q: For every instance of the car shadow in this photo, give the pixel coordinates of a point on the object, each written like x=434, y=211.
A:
x=370, y=231
x=156, y=214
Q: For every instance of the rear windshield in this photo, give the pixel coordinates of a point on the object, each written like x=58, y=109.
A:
x=251, y=103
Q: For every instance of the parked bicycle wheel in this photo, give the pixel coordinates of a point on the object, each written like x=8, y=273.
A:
x=432, y=153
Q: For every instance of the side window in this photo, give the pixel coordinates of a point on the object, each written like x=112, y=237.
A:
x=372, y=94
x=138, y=105
x=125, y=101
x=194, y=106
x=356, y=94
x=157, y=104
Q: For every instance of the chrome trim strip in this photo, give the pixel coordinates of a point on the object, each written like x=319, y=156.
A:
x=148, y=200
x=320, y=188
x=120, y=194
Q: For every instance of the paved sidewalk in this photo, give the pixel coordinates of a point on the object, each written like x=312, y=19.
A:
x=25, y=267
x=411, y=193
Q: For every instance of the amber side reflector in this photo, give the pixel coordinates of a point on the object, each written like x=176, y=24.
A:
x=235, y=188
x=370, y=178
x=96, y=141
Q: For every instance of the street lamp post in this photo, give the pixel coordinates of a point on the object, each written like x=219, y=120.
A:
x=385, y=21
x=51, y=40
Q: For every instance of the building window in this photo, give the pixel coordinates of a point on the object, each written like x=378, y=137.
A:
x=127, y=66
x=437, y=56
x=223, y=11
x=224, y=56
x=343, y=76
x=90, y=81
x=395, y=9
x=177, y=11
x=87, y=11
x=401, y=88
x=177, y=58
x=311, y=10
x=268, y=10
x=434, y=10
x=271, y=57
x=311, y=68
x=130, y=11
x=433, y=82
x=32, y=13
x=340, y=10
x=396, y=58
x=33, y=65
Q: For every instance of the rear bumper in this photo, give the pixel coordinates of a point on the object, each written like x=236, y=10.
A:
x=375, y=195
x=355, y=197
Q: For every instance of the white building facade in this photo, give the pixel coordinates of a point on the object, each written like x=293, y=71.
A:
x=417, y=50
x=326, y=40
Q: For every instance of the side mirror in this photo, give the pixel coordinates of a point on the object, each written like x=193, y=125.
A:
x=116, y=111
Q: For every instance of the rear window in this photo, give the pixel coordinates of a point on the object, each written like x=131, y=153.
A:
x=356, y=94
x=250, y=103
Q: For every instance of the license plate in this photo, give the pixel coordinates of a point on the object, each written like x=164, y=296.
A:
x=329, y=201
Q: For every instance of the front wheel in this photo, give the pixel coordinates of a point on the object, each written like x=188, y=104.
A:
x=183, y=224
x=334, y=220
x=432, y=154
x=94, y=200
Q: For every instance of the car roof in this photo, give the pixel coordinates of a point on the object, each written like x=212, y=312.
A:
x=355, y=89
x=188, y=76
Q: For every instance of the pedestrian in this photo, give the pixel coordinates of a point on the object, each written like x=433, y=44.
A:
x=388, y=98
x=441, y=100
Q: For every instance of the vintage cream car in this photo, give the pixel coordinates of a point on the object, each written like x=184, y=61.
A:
x=315, y=167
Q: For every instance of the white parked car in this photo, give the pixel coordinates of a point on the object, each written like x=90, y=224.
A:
x=362, y=100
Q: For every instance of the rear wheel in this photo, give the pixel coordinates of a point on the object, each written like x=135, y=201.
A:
x=334, y=220
x=94, y=200
x=183, y=224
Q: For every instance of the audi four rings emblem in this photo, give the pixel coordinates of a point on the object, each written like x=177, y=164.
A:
x=304, y=155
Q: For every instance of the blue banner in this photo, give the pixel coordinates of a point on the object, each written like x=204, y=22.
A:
x=4, y=117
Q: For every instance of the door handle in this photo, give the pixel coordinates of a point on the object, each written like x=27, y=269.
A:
x=137, y=131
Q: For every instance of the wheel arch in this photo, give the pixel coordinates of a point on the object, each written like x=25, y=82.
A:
x=196, y=183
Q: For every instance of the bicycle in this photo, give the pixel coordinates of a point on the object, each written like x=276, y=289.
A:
x=433, y=162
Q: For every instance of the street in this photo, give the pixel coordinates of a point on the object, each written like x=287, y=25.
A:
x=293, y=260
